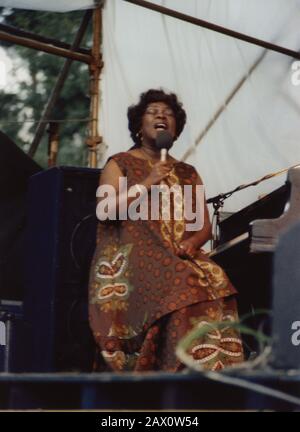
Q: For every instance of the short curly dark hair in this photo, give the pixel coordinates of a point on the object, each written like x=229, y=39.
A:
x=136, y=112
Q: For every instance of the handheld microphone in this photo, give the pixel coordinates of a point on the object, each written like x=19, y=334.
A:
x=164, y=142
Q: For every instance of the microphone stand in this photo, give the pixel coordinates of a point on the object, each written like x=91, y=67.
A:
x=218, y=200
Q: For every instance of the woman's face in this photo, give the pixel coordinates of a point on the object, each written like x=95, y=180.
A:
x=157, y=117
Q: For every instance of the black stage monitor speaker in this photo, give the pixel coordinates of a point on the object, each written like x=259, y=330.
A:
x=286, y=301
x=61, y=239
x=15, y=170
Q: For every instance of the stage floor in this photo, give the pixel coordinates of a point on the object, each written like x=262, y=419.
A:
x=144, y=391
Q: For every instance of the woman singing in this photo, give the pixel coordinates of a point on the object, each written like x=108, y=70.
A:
x=150, y=282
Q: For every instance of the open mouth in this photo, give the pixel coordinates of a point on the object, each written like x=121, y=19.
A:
x=160, y=126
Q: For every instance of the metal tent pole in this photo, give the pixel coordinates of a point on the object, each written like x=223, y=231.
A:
x=94, y=139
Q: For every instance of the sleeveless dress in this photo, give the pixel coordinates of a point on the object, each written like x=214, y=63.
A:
x=143, y=298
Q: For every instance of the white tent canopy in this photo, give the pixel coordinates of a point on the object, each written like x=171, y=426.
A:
x=256, y=132
x=52, y=5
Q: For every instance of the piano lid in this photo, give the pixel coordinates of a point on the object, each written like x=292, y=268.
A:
x=268, y=207
x=265, y=233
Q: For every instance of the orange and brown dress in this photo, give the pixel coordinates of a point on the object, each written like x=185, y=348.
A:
x=144, y=298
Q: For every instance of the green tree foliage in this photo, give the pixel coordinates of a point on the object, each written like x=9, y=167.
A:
x=35, y=74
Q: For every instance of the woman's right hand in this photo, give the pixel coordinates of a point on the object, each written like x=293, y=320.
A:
x=159, y=171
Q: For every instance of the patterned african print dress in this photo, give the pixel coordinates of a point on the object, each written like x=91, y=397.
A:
x=143, y=298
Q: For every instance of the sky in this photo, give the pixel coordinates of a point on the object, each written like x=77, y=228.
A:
x=5, y=65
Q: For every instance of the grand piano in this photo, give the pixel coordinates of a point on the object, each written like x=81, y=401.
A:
x=247, y=243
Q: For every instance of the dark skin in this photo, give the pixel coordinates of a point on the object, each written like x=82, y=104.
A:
x=157, y=114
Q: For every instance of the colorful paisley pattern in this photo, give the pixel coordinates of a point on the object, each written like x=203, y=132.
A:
x=144, y=298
